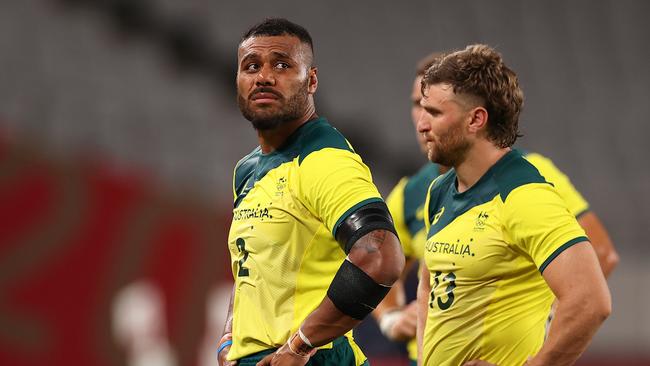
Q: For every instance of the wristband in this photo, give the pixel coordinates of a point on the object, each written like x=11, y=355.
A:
x=304, y=338
x=299, y=347
x=224, y=345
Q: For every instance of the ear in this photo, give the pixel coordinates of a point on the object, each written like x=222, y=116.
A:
x=313, y=80
x=478, y=119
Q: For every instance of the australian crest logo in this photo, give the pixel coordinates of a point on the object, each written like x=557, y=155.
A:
x=280, y=186
x=480, y=221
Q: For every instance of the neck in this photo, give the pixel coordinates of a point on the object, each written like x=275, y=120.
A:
x=478, y=160
x=271, y=140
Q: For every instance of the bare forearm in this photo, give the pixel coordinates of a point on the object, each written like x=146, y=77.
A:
x=571, y=332
x=223, y=346
x=227, y=327
x=327, y=323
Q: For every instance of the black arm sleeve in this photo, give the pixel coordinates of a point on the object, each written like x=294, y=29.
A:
x=372, y=216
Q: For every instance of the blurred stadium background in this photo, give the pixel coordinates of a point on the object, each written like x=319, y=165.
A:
x=119, y=131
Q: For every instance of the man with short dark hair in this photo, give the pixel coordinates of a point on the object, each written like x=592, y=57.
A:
x=501, y=242
x=313, y=247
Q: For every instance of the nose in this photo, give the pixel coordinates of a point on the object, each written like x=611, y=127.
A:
x=423, y=125
x=265, y=77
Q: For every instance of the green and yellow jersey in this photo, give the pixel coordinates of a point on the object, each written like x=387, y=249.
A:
x=486, y=251
x=406, y=202
x=288, y=205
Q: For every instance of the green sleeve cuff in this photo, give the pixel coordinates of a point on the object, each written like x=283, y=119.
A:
x=559, y=250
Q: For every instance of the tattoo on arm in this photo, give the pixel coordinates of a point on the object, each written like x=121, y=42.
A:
x=371, y=242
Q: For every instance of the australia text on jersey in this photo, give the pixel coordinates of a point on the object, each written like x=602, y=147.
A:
x=456, y=248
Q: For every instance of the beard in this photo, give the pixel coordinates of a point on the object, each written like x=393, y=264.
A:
x=270, y=117
x=450, y=148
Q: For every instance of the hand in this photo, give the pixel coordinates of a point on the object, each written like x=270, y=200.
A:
x=284, y=356
x=478, y=363
x=405, y=326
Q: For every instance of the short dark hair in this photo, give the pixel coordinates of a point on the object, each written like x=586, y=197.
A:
x=279, y=27
x=479, y=71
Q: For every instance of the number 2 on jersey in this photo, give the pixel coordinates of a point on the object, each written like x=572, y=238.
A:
x=450, y=278
x=241, y=245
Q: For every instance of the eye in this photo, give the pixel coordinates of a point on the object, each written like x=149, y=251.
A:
x=432, y=112
x=282, y=65
x=251, y=67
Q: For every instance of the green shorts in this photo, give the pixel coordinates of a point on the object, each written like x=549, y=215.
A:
x=340, y=355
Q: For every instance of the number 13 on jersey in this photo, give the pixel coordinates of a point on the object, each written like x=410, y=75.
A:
x=450, y=279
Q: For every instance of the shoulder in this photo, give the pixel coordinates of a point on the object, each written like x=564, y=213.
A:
x=514, y=171
x=318, y=135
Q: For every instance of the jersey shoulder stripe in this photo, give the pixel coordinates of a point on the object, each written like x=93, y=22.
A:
x=446, y=203
x=513, y=171
x=312, y=136
x=318, y=135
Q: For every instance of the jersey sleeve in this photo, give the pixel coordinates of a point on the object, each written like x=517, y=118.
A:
x=395, y=203
x=574, y=200
x=334, y=183
x=538, y=222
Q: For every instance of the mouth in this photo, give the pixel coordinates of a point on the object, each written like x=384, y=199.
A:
x=264, y=97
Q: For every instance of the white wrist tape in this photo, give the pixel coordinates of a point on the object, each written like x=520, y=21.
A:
x=304, y=338
x=388, y=320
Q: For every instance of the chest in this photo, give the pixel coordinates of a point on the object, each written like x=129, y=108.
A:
x=472, y=245
x=269, y=216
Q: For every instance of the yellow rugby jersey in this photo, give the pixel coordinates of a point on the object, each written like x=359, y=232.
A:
x=485, y=252
x=288, y=205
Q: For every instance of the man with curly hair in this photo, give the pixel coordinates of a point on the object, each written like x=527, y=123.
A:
x=501, y=242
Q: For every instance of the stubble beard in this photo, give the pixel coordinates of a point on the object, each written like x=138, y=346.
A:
x=269, y=118
x=450, y=148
